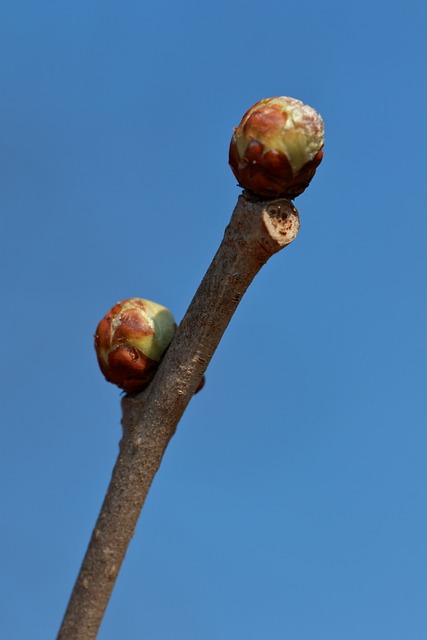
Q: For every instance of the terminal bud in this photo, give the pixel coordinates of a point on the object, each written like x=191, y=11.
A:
x=275, y=150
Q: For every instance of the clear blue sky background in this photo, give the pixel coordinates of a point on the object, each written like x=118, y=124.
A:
x=292, y=501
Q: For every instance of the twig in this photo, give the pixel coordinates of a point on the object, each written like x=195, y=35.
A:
x=256, y=231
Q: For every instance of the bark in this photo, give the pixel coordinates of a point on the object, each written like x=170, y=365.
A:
x=256, y=231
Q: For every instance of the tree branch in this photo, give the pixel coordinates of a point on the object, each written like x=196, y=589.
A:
x=256, y=231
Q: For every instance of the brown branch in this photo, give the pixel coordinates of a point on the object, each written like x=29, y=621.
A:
x=256, y=231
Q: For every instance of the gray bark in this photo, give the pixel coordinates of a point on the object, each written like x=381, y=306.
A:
x=256, y=231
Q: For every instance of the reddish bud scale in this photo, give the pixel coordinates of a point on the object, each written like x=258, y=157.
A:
x=277, y=147
x=130, y=341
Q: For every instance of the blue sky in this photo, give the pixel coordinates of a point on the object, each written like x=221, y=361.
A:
x=291, y=502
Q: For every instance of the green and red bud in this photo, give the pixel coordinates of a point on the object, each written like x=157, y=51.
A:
x=277, y=147
x=131, y=340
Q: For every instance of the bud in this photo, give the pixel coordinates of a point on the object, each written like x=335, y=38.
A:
x=130, y=341
x=277, y=147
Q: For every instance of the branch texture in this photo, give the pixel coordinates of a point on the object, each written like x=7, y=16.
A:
x=256, y=231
